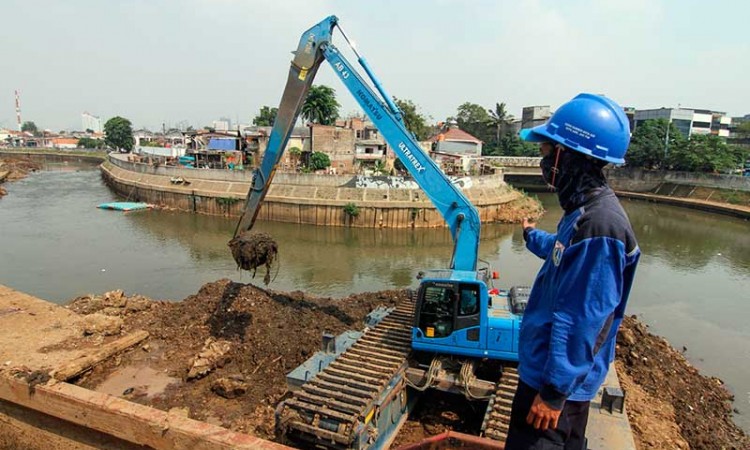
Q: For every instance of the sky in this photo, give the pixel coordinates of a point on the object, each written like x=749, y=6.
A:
x=193, y=61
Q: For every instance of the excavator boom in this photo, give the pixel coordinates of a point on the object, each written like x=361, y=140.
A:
x=315, y=45
x=302, y=72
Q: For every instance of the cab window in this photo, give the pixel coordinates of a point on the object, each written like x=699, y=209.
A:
x=469, y=300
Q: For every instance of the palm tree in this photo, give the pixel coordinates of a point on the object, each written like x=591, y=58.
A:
x=500, y=119
x=321, y=106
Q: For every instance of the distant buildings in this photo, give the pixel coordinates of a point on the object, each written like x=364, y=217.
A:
x=736, y=122
x=91, y=122
x=689, y=121
x=532, y=116
x=223, y=124
x=64, y=142
x=455, y=150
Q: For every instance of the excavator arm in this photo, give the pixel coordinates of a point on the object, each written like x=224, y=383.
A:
x=315, y=46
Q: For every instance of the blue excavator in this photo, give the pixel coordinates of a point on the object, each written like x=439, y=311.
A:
x=456, y=333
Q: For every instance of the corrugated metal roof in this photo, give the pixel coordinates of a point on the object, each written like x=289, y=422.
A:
x=222, y=144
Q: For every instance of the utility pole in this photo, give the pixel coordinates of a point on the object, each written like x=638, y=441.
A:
x=666, y=140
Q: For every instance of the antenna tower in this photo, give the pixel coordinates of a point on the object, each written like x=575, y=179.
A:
x=18, y=109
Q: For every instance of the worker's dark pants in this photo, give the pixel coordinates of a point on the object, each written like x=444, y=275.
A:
x=569, y=434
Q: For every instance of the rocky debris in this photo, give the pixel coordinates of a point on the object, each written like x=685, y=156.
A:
x=100, y=324
x=252, y=250
x=179, y=411
x=33, y=377
x=15, y=168
x=213, y=355
x=112, y=303
x=701, y=406
x=232, y=386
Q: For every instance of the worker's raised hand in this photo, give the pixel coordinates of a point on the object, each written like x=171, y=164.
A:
x=529, y=223
x=542, y=416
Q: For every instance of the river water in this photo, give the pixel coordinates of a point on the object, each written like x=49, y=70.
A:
x=692, y=286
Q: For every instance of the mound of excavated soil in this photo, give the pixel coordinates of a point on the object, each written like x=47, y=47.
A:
x=256, y=338
x=231, y=345
x=668, y=386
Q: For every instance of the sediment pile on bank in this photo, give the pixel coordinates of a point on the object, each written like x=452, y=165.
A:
x=665, y=386
x=15, y=168
x=229, y=347
x=228, y=340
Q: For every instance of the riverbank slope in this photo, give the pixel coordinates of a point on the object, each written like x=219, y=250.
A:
x=15, y=168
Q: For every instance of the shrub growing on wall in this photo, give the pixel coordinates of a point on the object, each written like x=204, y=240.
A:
x=351, y=210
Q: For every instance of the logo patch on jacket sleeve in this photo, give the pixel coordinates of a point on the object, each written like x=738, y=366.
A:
x=557, y=253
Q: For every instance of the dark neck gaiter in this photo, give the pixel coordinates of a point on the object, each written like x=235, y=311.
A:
x=576, y=178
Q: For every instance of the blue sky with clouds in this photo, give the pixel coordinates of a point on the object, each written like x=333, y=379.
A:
x=168, y=61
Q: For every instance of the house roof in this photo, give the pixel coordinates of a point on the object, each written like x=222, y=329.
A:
x=454, y=134
x=61, y=140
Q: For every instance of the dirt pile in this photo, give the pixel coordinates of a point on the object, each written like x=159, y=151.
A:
x=230, y=346
x=667, y=385
x=522, y=207
x=240, y=341
x=15, y=168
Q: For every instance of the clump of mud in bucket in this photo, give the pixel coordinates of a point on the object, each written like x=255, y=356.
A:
x=252, y=250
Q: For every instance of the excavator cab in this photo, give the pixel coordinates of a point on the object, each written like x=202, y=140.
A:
x=449, y=313
x=447, y=307
x=456, y=314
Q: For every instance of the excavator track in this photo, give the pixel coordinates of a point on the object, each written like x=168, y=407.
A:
x=497, y=417
x=330, y=410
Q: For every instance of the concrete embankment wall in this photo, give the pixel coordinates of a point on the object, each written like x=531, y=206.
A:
x=302, y=198
x=723, y=194
x=54, y=156
x=640, y=180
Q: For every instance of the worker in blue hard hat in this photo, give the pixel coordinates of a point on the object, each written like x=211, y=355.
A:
x=567, y=338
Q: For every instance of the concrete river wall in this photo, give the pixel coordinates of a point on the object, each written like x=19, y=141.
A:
x=392, y=202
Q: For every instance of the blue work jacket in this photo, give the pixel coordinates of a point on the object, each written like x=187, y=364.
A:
x=578, y=299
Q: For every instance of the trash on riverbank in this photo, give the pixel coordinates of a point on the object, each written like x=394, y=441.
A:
x=253, y=250
x=273, y=332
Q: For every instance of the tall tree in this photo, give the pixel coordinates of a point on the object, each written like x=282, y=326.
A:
x=651, y=144
x=474, y=119
x=512, y=145
x=500, y=119
x=743, y=128
x=706, y=153
x=118, y=133
x=30, y=127
x=413, y=119
x=266, y=116
x=321, y=106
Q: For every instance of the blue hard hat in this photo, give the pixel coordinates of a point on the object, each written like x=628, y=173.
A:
x=591, y=124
